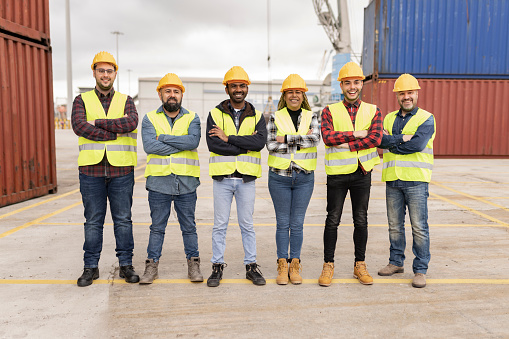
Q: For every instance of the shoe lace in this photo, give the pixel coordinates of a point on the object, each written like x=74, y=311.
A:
x=217, y=268
x=281, y=266
x=327, y=270
x=362, y=270
x=298, y=267
x=254, y=268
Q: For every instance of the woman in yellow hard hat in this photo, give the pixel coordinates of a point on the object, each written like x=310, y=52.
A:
x=293, y=134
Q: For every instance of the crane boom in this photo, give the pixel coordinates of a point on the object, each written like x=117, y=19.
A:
x=337, y=29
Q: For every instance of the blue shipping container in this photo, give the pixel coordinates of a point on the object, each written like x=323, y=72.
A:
x=437, y=38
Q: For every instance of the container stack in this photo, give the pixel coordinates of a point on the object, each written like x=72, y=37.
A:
x=459, y=52
x=27, y=136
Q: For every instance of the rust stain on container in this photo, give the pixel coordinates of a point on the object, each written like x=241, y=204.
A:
x=471, y=115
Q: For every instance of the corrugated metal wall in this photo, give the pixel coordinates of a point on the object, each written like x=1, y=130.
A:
x=471, y=115
x=27, y=140
x=437, y=38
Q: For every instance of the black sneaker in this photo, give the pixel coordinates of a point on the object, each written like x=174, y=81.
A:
x=254, y=274
x=216, y=276
x=89, y=274
x=128, y=273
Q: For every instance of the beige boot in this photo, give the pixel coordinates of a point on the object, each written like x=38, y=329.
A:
x=193, y=269
x=295, y=269
x=150, y=272
x=360, y=271
x=327, y=274
x=282, y=272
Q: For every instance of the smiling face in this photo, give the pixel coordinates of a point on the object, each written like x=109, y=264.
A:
x=171, y=97
x=104, y=74
x=294, y=99
x=407, y=100
x=351, y=89
x=237, y=92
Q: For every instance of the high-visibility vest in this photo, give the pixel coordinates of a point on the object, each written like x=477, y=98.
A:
x=344, y=161
x=305, y=157
x=408, y=167
x=249, y=163
x=120, y=152
x=181, y=163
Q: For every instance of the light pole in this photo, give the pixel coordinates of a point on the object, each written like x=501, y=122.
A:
x=69, y=56
x=129, y=80
x=117, y=33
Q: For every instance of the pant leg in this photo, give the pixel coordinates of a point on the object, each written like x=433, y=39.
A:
x=360, y=188
x=185, y=206
x=94, y=197
x=417, y=201
x=223, y=195
x=337, y=187
x=396, y=209
x=302, y=190
x=281, y=193
x=245, y=193
x=120, y=195
x=160, y=207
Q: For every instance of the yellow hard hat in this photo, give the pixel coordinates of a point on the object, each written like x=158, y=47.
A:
x=236, y=74
x=170, y=79
x=406, y=82
x=350, y=70
x=104, y=57
x=294, y=81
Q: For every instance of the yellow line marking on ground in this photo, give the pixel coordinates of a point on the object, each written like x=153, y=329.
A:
x=38, y=220
x=247, y=282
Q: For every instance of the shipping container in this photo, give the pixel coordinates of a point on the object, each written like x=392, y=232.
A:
x=27, y=136
x=28, y=19
x=436, y=39
x=470, y=114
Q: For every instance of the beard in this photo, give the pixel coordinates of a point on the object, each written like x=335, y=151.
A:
x=104, y=88
x=172, y=107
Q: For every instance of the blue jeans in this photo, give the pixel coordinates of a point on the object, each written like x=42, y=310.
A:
x=160, y=207
x=244, y=193
x=416, y=198
x=290, y=196
x=95, y=191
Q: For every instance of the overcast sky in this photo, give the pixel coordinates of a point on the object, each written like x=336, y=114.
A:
x=195, y=38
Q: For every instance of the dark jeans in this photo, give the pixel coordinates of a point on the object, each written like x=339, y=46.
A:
x=359, y=186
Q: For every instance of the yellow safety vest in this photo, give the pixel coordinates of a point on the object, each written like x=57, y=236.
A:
x=409, y=167
x=120, y=152
x=249, y=163
x=181, y=163
x=305, y=157
x=344, y=161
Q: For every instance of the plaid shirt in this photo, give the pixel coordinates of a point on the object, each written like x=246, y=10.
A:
x=332, y=137
x=293, y=143
x=104, y=129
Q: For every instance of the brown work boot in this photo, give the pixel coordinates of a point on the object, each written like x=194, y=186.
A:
x=419, y=280
x=193, y=269
x=361, y=272
x=390, y=269
x=282, y=272
x=327, y=274
x=295, y=269
x=150, y=272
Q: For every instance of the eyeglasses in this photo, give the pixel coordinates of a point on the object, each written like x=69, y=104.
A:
x=102, y=71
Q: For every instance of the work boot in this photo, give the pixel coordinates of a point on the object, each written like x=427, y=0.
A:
x=282, y=271
x=193, y=269
x=89, y=275
x=151, y=272
x=254, y=274
x=327, y=274
x=295, y=269
x=390, y=269
x=419, y=280
x=360, y=272
x=216, y=276
x=129, y=274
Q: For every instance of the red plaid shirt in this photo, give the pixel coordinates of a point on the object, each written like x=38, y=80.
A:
x=331, y=137
x=104, y=129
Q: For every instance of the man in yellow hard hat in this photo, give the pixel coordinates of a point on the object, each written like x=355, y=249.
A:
x=105, y=122
x=236, y=133
x=351, y=131
x=171, y=135
x=407, y=165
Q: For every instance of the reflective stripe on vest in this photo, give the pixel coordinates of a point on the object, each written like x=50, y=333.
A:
x=182, y=163
x=119, y=152
x=344, y=161
x=408, y=167
x=249, y=163
x=305, y=157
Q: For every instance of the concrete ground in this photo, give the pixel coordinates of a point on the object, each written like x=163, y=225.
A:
x=467, y=294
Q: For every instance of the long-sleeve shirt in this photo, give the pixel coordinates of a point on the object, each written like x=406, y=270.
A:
x=332, y=138
x=237, y=144
x=394, y=143
x=292, y=142
x=104, y=130
x=167, y=144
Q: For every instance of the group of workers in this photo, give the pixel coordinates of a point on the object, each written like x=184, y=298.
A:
x=106, y=123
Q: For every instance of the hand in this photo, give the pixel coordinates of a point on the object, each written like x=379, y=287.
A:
x=125, y=115
x=157, y=137
x=254, y=133
x=218, y=132
x=310, y=132
x=407, y=137
x=91, y=122
x=280, y=138
x=345, y=145
x=386, y=132
x=360, y=134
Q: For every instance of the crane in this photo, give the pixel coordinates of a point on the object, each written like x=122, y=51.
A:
x=337, y=29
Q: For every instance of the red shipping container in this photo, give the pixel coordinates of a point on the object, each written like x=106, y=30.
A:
x=471, y=115
x=26, y=18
